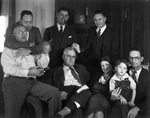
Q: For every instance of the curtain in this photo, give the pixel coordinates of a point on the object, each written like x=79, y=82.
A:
x=43, y=12
x=3, y=22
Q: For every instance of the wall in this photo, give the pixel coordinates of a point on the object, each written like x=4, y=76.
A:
x=130, y=17
x=43, y=11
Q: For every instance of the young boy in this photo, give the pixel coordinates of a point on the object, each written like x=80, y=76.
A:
x=121, y=80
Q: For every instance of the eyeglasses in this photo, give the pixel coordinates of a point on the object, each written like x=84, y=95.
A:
x=22, y=32
x=134, y=58
x=70, y=56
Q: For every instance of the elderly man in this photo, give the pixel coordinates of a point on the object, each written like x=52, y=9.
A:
x=71, y=80
x=34, y=43
x=20, y=78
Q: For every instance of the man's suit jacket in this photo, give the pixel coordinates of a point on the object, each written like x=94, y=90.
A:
x=58, y=76
x=110, y=44
x=59, y=42
x=34, y=37
x=142, y=90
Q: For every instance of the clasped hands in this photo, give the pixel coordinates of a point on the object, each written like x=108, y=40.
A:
x=35, y=71
x=116, y=95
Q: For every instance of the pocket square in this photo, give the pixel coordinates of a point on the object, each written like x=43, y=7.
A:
x=69, y=36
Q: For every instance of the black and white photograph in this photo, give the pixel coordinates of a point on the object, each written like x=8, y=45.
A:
x=74, y=58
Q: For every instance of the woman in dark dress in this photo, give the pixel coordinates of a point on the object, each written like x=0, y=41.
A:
x=98, y=104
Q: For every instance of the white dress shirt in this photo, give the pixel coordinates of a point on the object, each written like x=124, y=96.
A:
x=58, y=26
x=137, y=74
x=102, y=29
x=20, y=66
x=69, y=79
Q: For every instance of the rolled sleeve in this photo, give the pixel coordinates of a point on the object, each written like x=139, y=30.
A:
x=9, y=65
x=43, y=60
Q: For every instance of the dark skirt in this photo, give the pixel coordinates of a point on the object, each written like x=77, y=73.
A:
x=97, y=103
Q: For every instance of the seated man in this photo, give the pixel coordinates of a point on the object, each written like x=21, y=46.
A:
x=20, y=78
x=141, y=76
x=71, y=80
x=34, y=38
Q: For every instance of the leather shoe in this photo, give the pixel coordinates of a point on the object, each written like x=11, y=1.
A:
x=65, y=111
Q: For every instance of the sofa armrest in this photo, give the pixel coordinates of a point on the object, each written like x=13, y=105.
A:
x=37, y=105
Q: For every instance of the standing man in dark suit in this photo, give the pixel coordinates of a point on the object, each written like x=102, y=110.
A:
x=34, y=43
x=60, y=35
x=71, y=79
x=102, y=41
x=142, y=78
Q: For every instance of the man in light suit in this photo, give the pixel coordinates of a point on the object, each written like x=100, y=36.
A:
x=74, y=91
x=61, y=36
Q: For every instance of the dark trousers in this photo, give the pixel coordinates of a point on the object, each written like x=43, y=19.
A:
x=81, y=98
x=15, y=90
x=119, y=110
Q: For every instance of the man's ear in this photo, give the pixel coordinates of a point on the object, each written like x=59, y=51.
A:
x=115, y=68
x=105, y=19
x=57, y=14
x=20, y=21
x=142, y=58
x=63, y=57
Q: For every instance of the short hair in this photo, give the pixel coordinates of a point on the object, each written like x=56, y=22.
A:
x=121, y=61
x=16, y=27
x=64, y=9
x=100, y=12
x=137, y=49
x=105, y=58
x=25, y=12
x=68, y=49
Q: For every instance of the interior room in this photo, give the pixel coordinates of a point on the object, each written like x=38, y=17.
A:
x=131, y=18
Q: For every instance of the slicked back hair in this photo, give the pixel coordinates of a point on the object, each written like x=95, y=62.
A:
x=25, y=12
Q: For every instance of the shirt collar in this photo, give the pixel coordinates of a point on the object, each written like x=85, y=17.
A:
x=123, y=77
x=138, y=73
x=58, y=26
x=102, y=29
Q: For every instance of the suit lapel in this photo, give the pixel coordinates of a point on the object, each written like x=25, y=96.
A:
x=79, y=72
x=107, y=36
x=65, y=35
x=61, y=75
x=56, y=34
x=141, y=77
x=91, y=37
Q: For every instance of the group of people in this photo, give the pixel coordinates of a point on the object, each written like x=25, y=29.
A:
x=97, y=86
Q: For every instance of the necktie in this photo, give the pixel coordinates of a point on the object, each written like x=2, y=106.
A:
x=61, y=29
x=99, y=32
x=61, y=32
x=134, y=76
x=75, y=75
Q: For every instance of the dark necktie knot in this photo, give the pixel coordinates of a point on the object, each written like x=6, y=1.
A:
x=75, y=75
x=61, y=29
x=98, y=32
x=134, y=75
